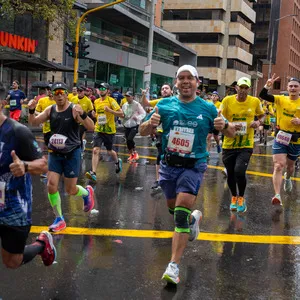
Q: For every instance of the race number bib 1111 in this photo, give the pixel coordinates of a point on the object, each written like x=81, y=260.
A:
x=283, y=138
x=243, y=130
x=58, y=141
x=180, y=142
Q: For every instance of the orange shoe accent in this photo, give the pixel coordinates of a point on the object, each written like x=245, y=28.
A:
x=240, y=201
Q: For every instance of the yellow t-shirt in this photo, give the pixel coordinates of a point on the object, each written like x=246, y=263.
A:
x=123, y=101
x=217, y=104
x=241, y=112
x=154, y=102
x=268, y=108
x=70, y=96
x=286, y=110
x=84, y=102
x=41, y=106
x=105, y=121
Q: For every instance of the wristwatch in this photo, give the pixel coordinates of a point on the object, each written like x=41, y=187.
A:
x=25, y=166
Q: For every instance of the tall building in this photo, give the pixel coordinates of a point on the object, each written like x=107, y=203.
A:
x=219, y=31
x=283, y=47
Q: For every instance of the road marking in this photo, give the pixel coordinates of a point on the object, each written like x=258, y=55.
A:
x=204, y=236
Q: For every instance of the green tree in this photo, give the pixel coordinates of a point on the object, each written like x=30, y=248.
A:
x=59, y=13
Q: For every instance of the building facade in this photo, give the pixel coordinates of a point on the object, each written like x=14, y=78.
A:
x=221, y=34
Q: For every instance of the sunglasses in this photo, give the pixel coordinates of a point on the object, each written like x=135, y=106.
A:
x=294, y=79
x=59, y=92
x=102, y=89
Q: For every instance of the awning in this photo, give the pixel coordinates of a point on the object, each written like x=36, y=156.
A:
x=24, y=62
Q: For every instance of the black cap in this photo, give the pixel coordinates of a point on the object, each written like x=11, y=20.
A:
x=105, y=85
x=81, y=88
x=129, y=93
x=58, y=85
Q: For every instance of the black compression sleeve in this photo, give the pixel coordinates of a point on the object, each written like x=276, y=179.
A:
x=264, y=95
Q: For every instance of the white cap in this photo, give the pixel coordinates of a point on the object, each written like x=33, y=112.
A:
x=188, y=68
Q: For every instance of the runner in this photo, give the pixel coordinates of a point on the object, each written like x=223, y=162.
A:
x=267, y=123
x=166, y=91
x=64, y=144
x=286, y=146
x=20, y=156
x=73, y=94
x=216, y=101
x=16, y=98
x=186, y=121
x=133, y=115
x=240, y=109
x=106, y=109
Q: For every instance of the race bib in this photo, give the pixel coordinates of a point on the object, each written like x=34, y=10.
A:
x=283, y=138
x=13, y=102
x=243, y=130
x=102, y=119
x=58, y=141
x=180, y=142
x=2, y=194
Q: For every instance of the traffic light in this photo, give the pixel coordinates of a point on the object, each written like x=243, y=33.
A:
x=70, y=48
x=82, y=48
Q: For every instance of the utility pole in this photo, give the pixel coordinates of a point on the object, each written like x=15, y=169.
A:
x=147, y=70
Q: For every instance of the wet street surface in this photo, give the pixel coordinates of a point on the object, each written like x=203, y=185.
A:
x=121, y=250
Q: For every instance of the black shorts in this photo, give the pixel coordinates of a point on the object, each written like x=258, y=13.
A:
x=13, y=238
x=82, y=130
x=103, y=138
x=266, y=127
x=47, y=137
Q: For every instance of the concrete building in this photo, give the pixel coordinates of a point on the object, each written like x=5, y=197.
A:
x=219, y=31
x=118, y=39
x=283, y=35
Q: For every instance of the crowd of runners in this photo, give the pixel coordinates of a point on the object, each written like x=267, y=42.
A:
x=182, y=125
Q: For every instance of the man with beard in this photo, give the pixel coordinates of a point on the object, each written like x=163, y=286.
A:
x=240, y=109
x=186, y=121
x=165, y=91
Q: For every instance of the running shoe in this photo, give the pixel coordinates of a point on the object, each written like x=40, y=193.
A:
x=89, y=200
x=219, y=149
x=119, y=166
x=130, y=158
x=136, y=156
x=288, y=185
x=194, y=226
x=91, y=175
x=155, y=186
x=233, y=204
x=49, y=253
x=58, y=225
x=224, y=172
x=276, y=200
x=43, y=175
x=241, y=207
x=171, y=274
x=83, y=144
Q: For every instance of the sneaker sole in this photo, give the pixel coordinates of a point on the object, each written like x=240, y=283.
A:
x=50, y=239
x=88, y=176
x=276, y=201
x=93, y=200
x=233, y=208
x=57, y=230
x=242, y=211
x=167, y=278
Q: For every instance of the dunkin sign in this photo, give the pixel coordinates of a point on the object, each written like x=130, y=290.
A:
x=17, y=42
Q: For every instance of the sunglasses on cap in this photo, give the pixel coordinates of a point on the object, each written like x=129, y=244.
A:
x=102, y=89
x=59, y=92
x=294, y=79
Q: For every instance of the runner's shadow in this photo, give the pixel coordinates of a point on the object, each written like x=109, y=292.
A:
x=169, y=291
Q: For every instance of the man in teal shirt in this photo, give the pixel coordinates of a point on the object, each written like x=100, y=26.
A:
x=186, y=121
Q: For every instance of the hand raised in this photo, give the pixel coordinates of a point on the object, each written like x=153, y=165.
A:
x=155, y=118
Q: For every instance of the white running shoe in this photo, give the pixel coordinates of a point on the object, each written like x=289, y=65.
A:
x=288, y=185
x=171, y=274
x=194, y=228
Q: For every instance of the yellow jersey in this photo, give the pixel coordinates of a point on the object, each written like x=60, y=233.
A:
x=154, y=102
x=41, y=106
x=84, y=102
x=241, y=113
x=70, y=96
x=268, y=109
x=123, y=101
x=286, y=110
x=105, y=122
x=217, y=104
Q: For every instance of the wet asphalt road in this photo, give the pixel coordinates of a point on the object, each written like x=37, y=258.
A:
x=117, y=267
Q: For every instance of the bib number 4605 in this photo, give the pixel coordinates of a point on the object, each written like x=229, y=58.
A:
x=181, y=142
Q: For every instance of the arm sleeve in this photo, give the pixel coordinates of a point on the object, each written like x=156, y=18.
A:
x=142, y=113
x=264, y=95
x=27, y=147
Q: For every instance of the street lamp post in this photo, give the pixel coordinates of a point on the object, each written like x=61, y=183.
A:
x=76, y=59
x=272, y=42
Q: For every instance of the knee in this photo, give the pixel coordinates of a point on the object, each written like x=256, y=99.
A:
x=52, y=187
x=71, y=190
x=11, y=263
x=278, y=166
x=96, y=151
x=239, y=173
x=182, y=217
